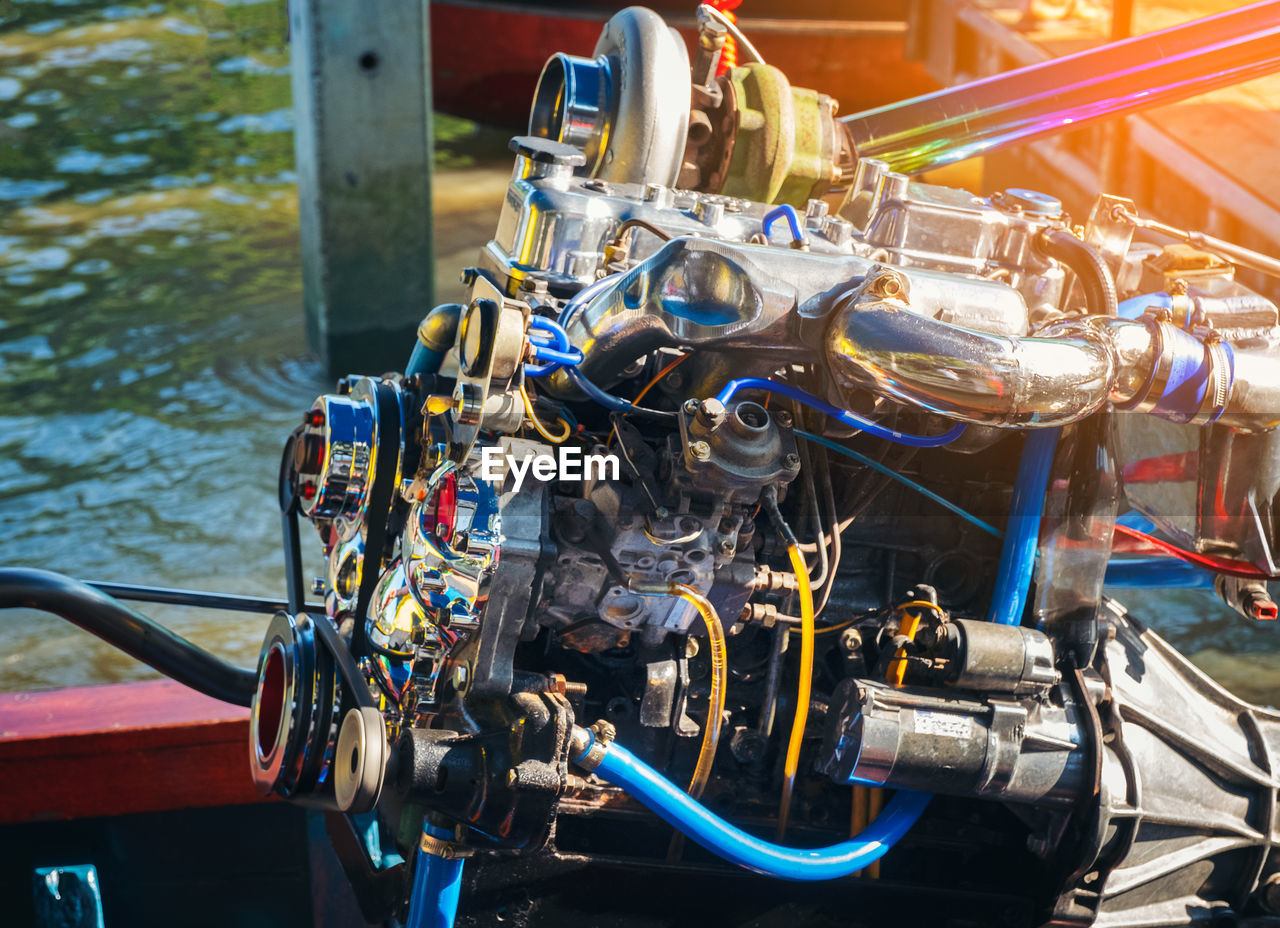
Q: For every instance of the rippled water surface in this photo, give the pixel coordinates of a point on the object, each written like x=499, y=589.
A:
x=152, y=355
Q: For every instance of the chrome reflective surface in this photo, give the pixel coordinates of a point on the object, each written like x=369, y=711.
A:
x=394, y=612
x=970, y=375
x=449, y=570
x=573, y=103
x=344, y=443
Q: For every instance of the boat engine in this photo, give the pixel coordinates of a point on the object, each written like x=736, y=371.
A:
x=764, y=490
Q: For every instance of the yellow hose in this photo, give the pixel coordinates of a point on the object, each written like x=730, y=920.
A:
x=807, y=633
x=908, y=625
x=898, y=666
x=719, y=683
x=533, y=418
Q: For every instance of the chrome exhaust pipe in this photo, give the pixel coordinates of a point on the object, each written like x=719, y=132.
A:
x=1062, y=373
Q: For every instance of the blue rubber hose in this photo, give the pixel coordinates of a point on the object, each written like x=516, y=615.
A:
x=1022, y=537
x=437, y=883
x=622, y=768
x=787, y=212
x=841, y=415
x=1136, y=306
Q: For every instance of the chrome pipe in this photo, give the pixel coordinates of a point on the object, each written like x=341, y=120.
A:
x=1060, y=375
x=1036, y=382
x=1042, y=99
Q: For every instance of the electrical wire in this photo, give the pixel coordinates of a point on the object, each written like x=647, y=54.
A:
x=837, y=545
x=649, y=227
x=384, y=683
x=611, y=402
x=906, y=481
x=734, y=31
x=840, y=415
x=819, y=535
x=1222, y=565
x=649, y=386
x=826, y=629
x=537, y=424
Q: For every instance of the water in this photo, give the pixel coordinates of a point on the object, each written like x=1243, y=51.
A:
x=152, y=356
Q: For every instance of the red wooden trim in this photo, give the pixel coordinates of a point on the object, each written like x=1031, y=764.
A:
x=114, y=750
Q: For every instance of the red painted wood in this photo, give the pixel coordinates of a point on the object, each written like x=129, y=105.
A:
x=113, y=750
x=486, y=58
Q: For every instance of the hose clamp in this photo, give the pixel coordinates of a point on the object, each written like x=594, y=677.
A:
x=587, y=746
x=1221, y=378
x=445, y=849
x=1146, y=399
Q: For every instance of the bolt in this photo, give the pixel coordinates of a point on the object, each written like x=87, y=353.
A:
x=691, y=647
x=791, y=461
x=726, y=546
x=604, y=731
x=700, y=450
x=887, y=285
x=783, y=418
x=851, y=640
x=711, y=413
x=460, y=678
x=691, y=406
x=747, y=746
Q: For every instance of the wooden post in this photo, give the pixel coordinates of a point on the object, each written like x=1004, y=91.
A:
x=362, y=105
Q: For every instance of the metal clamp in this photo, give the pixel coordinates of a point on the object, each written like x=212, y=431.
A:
x=1218, y=389
x=448, y=850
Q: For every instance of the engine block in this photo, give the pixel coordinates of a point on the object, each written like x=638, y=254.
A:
x=802, y=478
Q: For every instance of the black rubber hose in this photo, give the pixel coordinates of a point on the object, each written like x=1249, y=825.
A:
x=131, y=632
x=1095, y=276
